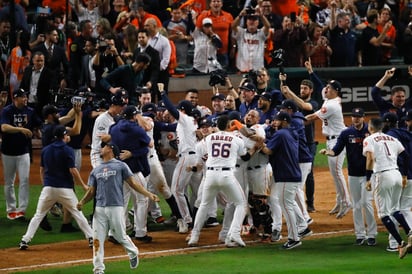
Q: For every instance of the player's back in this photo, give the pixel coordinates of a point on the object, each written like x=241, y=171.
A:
x=385, y=149
x=223, y=149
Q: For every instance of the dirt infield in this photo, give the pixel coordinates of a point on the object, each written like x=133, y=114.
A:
x=77, y=252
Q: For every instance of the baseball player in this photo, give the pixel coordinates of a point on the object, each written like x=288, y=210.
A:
x=223, y=149
x=18, y=122
x=305, y=157
x=157, y=180
x=283, y=149
x=332, y=125
x=58, y=174
x=134, y=154
x=351, y=139
x=106, y=184
x=405, y=137
x=102, y=125
x=186, y=134
x=381, y=152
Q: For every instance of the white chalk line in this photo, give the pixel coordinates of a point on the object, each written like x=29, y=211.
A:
x=177, y=250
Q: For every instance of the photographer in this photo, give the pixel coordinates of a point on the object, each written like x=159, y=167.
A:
x=105, y=61
x=250, y=41
x=407, y=38
x=291, y=37
x=206, y=45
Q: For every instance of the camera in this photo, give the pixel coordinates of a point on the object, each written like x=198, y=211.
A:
x=103, y=46
x=217, y=77
x=278, y=59
x=293, y=17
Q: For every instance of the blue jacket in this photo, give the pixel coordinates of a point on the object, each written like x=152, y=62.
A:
x=352, y=139
x=128, y=135
x=285, y=157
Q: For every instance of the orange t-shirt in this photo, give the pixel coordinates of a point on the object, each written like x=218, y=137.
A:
x=221, y=26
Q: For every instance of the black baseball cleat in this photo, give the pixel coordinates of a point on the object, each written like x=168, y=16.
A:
x=23, y=245
x=291, y=244
x=145, y=239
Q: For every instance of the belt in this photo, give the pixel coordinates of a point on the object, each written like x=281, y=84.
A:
x=255, y=167
x=331, y=137
x=219, y=168
x=386, y=170
x=190, y=153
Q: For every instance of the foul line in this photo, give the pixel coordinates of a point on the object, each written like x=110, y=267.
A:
x=22, y=268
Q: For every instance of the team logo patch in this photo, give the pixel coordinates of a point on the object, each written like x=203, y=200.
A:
x=323, y=110
x=365, y=143
x=73, y=47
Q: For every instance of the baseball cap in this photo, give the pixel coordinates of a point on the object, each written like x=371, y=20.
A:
x=267, y=96
x=207, y=21
x=19, y=93
x=205, y=122
x=149, y=108
x=248, y=86
x=48, y=109
x=235, y=115
x=335, y=85
x=59, y=132
x=358, y=112
x=408, y=116
x=282, y=116
x=390, y=117
x=289, y=104
x=129, y=112
x=186, y=106
x=219, y=96
x=118, y=99
x=115, y=148
x=196, y=113
x=161, y=106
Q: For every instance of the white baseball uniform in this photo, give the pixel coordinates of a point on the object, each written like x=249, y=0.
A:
x=101, y=126
x=387, y=180
x=332, y=125
x=186, y=134
x=223, y=149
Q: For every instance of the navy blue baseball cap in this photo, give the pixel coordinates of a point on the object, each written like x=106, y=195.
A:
x=390, y=117
x=358, y=112
x=248, y=86
x=219, y=96
x=115, y=148
x=19, y=93
x=129, y=112
x=49, y=109
x=282, y=116
x=59, y=132
x=149, y=108
x=335, y=85
x=288, y=104
x=266, y=96
x=186, y=106
x=118, y=99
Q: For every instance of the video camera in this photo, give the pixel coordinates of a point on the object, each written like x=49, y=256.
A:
x=217, y=77
x=67, y=97
x=103, y=46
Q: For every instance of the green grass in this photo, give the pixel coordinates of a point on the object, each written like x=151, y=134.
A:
x=329, y=255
